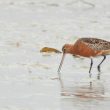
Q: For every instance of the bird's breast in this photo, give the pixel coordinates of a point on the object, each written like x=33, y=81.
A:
x=84, y=50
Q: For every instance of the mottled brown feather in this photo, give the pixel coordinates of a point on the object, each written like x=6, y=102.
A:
x=96, y=44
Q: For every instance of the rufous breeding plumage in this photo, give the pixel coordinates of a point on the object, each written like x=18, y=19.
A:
x=87, y=47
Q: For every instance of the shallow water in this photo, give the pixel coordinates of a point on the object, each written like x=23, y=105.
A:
x=28, y=78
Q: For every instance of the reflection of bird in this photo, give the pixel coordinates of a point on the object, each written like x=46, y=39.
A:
x=87, y=47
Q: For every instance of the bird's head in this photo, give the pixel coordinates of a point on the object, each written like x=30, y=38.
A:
x=65, y=49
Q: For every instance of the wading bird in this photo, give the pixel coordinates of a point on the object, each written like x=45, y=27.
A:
x=87, y=47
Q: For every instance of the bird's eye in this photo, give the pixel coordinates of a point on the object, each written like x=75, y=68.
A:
x=64, y=49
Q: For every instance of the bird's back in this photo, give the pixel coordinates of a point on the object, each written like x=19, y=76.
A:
x=96, y=44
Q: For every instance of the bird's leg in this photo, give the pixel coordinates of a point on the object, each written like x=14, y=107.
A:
x=98, y=67
x=90, y=68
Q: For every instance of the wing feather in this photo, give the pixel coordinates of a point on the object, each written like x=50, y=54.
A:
x=96, y=44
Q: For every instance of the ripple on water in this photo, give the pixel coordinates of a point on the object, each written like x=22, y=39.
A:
x=92, y=90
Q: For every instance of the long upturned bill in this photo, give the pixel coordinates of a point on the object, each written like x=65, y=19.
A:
x=61, y=63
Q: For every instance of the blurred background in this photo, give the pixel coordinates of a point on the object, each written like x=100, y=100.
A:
x=28, y=78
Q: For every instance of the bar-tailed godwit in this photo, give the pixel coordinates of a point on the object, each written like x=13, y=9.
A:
x=87, y=47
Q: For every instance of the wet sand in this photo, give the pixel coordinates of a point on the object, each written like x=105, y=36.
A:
x=28, y=78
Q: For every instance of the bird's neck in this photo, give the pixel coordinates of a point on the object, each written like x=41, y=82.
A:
x=71, y=49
